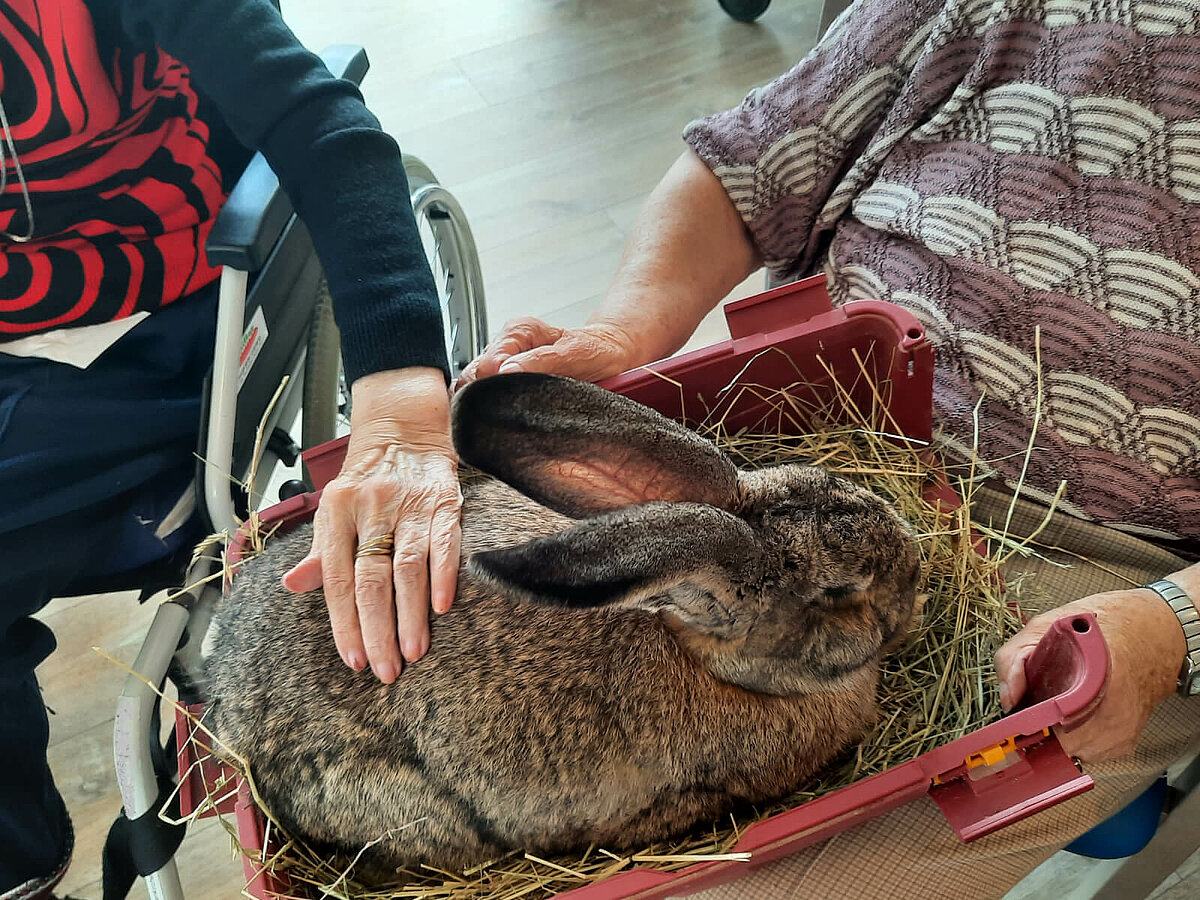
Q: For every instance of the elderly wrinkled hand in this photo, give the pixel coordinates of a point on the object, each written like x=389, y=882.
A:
x=590, y=353
x=386, y=536
x=1146, y=651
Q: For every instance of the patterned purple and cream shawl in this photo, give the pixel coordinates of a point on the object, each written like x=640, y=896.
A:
x=996, y=166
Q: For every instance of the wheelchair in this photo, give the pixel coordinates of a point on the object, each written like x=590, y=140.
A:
x=276, y=358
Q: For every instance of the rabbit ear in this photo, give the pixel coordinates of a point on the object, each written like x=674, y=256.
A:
x=582, y=450
x=685, y=559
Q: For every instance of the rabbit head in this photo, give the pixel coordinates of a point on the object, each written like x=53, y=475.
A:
x=783, y=580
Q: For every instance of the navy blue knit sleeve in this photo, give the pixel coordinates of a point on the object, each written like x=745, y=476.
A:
x=342, y=173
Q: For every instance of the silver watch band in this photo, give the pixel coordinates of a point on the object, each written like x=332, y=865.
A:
x=1189, y=617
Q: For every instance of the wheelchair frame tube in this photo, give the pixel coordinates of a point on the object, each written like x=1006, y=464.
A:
x=132, y=733
x=231, y=304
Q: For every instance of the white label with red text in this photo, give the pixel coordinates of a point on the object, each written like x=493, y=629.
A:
x=253, y=339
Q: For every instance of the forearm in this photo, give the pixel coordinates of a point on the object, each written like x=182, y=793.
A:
x=1188, y=580
x=410, y=405
x=687, y=250
x=342, y=173
x=1163, y=647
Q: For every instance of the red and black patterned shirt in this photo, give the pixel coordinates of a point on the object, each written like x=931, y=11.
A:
x=123, y=116
x=121, y=183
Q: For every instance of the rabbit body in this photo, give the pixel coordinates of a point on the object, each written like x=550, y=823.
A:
x=662, y=662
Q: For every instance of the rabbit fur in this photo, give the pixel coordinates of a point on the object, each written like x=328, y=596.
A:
x=643, y=637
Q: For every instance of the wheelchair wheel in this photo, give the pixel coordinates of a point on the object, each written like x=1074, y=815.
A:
x=454, y=261
x=325, y=408
x=745, y=10
x=450, y=248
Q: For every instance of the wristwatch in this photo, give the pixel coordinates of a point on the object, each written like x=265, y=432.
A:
x=1189, y=617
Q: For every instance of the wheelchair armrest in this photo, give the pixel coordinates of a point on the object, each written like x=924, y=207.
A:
x=257, y=210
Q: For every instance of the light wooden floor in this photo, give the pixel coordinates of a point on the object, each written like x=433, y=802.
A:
x=550, y=120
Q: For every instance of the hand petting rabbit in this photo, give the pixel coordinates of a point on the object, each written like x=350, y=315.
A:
x=644, y=636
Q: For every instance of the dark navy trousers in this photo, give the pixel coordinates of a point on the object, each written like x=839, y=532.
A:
x=90, y=460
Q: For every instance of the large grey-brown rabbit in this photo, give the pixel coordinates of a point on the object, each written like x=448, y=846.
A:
x=643, y=637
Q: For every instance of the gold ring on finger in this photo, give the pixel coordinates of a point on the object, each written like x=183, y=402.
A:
x=376, y=546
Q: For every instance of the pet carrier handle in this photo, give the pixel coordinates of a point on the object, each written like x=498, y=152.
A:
x=1036, y=776
x=798, y=302
x=252, y=219
x=1027, y=770
x=1072, y=670
x=758, y=315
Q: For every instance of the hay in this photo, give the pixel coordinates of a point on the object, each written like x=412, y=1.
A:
x=937, y=687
